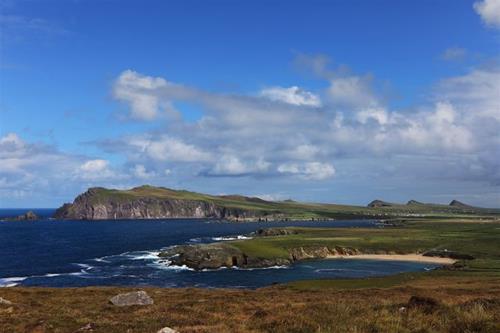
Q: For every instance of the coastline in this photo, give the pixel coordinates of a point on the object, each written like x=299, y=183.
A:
x=396, y=257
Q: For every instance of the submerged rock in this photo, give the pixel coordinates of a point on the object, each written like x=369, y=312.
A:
x=132, y=298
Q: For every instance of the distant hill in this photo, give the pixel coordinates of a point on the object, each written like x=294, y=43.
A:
x=149, y=202
x=456, y=203
x=379, y=203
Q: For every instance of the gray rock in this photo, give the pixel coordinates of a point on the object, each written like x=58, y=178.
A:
x=87, y=328
x=216, y=255
x=275, y=232
x=167, y=330
x=132, y=298
x=4, y=301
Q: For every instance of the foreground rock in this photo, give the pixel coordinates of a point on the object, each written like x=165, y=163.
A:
x=167, y=330
x=4, y=301
x=132, y=298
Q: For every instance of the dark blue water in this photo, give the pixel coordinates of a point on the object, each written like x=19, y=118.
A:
x=79, y=253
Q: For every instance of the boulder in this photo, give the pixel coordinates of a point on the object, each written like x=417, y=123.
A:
x=167, y=330
x=132, y=298
x=90, y=327
x=4, y=301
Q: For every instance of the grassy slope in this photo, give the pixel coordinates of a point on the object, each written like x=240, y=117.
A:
x=293, y=209
x=274, y=309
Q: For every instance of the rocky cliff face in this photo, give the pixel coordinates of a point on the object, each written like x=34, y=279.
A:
x=92, y=205
x=217, y=255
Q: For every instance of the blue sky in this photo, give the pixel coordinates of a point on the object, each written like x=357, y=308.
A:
x=331, y=101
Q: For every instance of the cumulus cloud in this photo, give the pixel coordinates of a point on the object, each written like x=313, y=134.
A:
x=229, y=165
x=310, y=170
x=279, y=133
x=140, y=172
x=292, y=95
x=97, y=169
x=140, y=92
x=489, y=10
x=164, y=148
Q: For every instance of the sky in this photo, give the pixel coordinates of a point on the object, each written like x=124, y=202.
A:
x=318, y=101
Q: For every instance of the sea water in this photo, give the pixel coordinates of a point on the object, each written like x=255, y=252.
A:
x=124, y=253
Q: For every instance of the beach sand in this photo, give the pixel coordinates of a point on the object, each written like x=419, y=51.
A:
x=398, y=257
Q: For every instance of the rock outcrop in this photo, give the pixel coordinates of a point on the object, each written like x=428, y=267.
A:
x=275, y=232
x=103, y=204
x=132, y=298
x=28, y=216
x=218, y=255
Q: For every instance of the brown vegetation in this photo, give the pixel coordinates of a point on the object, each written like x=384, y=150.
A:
x=457, y=305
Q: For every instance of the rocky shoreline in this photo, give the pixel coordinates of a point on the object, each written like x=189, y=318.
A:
x=226, y=255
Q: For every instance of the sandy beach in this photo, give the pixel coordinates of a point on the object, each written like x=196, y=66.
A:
x=398, y=257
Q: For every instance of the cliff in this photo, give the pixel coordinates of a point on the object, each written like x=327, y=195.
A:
x=147, y=202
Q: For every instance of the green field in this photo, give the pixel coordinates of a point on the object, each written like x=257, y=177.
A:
x=481, y=240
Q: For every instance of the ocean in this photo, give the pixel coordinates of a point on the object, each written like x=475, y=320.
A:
x=56, y=253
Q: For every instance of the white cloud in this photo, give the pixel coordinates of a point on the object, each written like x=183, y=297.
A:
x=140, y=172
x=352, y=91
x=310, y=170
x=379, y=115
x=245, y=135
x=94, y=170
x=165, y=148
x=140, y=92
x=292, y=95
x=489, y=10
x=232, y=166
x=94, y=166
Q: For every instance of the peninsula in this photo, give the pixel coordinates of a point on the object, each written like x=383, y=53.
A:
x=149, y=202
